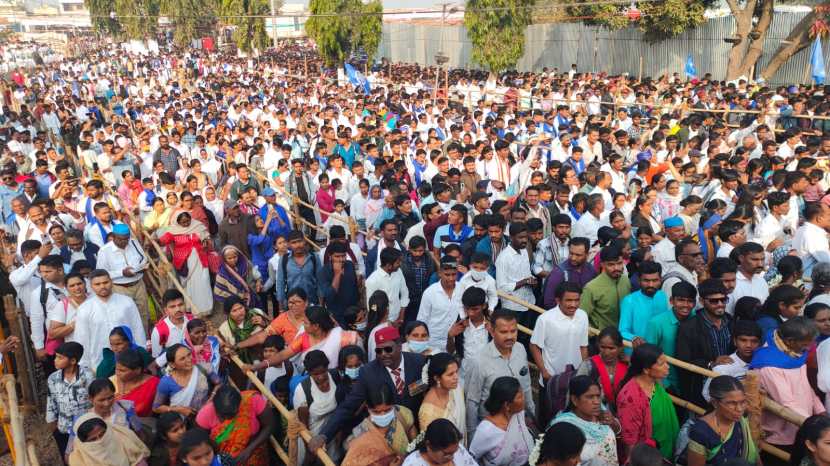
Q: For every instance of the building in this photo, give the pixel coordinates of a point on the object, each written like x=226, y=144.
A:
x=288, y=23
x=73, y=7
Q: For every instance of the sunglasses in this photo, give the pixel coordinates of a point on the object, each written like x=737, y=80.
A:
x=385, y=349
x=717, y=300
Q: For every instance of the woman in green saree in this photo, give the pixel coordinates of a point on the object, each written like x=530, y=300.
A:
x=644, y=407
x=241, y=324
x=723, y=433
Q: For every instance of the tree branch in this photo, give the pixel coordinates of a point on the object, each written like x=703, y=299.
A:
x=798, y=39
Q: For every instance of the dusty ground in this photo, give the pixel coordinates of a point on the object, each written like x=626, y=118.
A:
x=36, y=430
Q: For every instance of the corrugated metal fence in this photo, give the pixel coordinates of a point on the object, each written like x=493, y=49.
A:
x=598, y=49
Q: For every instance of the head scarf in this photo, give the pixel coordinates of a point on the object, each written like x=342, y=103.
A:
x=777, y=354
x=195, y=228
x=119, y=446
x=701, y=237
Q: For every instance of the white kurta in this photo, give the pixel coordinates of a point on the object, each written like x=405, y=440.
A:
x=96, y=319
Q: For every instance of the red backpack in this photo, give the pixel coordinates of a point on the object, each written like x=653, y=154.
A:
x=164, y=330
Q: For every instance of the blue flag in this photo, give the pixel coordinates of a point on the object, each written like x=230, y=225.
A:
x=357, y=78
x=817, y=61
x=689, y=69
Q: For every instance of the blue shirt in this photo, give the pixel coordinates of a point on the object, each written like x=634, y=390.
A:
x=262, y=249
x=637, y=309
x=6, y=196
x=302, y=276
x=274, y=228
x=349, y=155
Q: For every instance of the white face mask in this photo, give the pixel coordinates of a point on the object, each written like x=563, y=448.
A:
x=478, y=275
x=383, y=420
x=361, y=326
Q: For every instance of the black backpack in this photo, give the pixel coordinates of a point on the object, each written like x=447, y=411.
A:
x=339, y=394
x=555, y=396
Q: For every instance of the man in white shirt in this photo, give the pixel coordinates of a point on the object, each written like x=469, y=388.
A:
x=25, y=278
x=588, y=224
x=513, y=274
x=438, y=310
x=732, y=235
x=560, y=337
x=746, y=336
x=591, y=146
x=389, y=279
x=603, y=183
x=124, y=259
x=664, y=251
x=810, y=241
x=170, y=330
x=97, y=231
x=44, y=298
x=770, y=233
x=750, y=278
x=101, y=313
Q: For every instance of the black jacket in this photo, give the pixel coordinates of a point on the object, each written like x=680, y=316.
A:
x=371, y=375
x=695, y=346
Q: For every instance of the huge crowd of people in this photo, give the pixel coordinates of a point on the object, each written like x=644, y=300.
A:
x=378, y=255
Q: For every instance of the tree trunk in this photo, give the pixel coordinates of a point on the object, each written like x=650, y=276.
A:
x=798, y=39
x=756, y=48
x=743, y=24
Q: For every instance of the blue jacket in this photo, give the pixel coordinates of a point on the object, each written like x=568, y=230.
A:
x=90, y=252
x=274, y=228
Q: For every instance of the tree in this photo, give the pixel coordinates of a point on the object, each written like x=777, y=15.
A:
x=138, y=18
x=249, y=18
x=752, y=21
x=497, y=31
x=100, y=12
x=190, y=19
x=367, y=29
x=802, y=35
x=658, y=20
x=331, y=29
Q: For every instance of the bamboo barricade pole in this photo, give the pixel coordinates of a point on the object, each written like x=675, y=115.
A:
x=304, y=433
x=6, y=421
x=487, y=93
x=21, y=357
x=16, y=421
x=30, y=448
x=321, y=454
x=770, y=405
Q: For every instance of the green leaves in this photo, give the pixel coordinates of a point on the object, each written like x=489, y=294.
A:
x=138, y=18
x=250, y=31
x=345, y=25
x=496, y=28
x=659, y=20
x=191, y=19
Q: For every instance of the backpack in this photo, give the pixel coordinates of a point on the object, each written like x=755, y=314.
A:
x=304, y=381
x=164, y=330
x=284, y=268
x=555, y=397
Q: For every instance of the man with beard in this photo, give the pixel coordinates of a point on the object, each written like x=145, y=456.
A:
x=602, y=296
x=553, y=250
x=704, y=340
x=637, y=309
x=750, y=277
x=575, y=268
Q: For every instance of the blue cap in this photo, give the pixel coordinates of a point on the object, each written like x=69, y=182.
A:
x=121, y=229
x=269, y=192
x=672, y=222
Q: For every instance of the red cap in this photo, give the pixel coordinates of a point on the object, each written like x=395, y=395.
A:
x=386, y=334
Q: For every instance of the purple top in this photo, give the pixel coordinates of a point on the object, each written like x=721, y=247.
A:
x=580, y=276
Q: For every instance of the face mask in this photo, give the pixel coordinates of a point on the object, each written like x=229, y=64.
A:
x=360, y=326
x=478, y=275
x=352, y=372
x=418, y=346
x=383, y=420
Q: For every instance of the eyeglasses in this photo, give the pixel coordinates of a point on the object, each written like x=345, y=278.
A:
x=717, y=300
x=385, y=349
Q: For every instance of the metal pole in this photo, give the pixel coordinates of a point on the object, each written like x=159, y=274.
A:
x=274, y=22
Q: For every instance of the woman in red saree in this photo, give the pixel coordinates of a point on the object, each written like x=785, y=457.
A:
x=240, y=424
x=133, y=384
